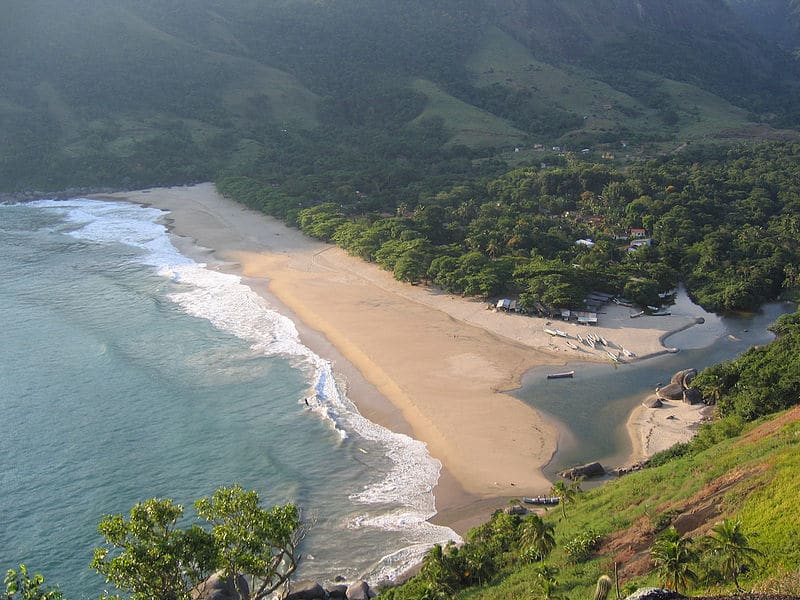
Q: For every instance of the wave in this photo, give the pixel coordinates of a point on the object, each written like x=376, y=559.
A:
x=235, y=308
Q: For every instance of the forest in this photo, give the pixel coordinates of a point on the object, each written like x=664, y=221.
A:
x=724, y=220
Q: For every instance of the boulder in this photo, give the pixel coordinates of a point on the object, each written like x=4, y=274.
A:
x=654, y=594
x=305, y=590
x=516, y=509
x=684, y=377
x=337, y=591
x=218, y=588
x=672, y=391
x=692, y=396
x=593, y=469
x=358, y=590
x=653, y=402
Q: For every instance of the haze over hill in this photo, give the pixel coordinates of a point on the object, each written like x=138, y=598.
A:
x=135, y=92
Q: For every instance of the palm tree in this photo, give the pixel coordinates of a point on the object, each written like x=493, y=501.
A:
x=730, y=543
x=565, y=494
x=537, y=536
x=673, y=556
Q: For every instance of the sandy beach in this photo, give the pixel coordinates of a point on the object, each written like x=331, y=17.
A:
x=414, y=359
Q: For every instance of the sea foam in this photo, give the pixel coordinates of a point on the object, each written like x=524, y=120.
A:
x=233, y=307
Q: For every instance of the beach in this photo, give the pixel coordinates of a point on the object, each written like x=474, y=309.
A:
x=412, y=358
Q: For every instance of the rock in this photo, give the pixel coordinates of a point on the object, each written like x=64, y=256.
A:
x=671, y=391
x=217, y=588
x=684, y=377
x=653, y=402
x=337, y=591
x=305, y=590
x=692, y=396
x=594, y=469
x=358, y=590
x=654, y=594
x=516, y=509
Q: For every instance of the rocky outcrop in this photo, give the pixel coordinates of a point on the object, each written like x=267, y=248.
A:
x=671, y=391
x=684, y=377
x=593, y=469
x=311, y=590
x=654, y=594
x=218, y=588
x=653, y=402
x=692, y=396
x=678, y=387
x=305, y=590
x=359, y=590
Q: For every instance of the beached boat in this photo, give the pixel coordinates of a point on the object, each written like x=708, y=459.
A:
x=561, y=333
x=542, y=500
x=591, y=343
x=628, y=353
x=551, y=332
x=564, y=375
x=612, y=356
x=637, y=314
x=602, y=340
x=571, y=345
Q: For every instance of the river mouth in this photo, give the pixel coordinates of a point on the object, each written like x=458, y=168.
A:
x=592, y=408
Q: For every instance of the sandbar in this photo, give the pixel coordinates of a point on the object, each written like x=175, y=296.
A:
x=415, y=359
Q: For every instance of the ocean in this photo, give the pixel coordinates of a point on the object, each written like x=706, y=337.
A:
x=131, y=371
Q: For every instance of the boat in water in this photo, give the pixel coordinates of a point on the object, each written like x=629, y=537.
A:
x=564, y=375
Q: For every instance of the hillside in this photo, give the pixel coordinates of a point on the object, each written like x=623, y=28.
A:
x=747, y=479
x=137, y=92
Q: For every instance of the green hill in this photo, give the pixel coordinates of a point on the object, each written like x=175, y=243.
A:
x=138, y=92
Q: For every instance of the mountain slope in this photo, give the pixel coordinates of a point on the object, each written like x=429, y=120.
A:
x=90, y=88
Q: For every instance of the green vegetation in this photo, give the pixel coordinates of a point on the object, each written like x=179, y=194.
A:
x=148, y=556
x=722, y=220
x=326, y=97
x=718, y=551
x=21, y=586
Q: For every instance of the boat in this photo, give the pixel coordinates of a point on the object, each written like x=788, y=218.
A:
x=551, y=332
x=591, y=343
x=612, y=356
x=664, y=313
x=628, y=353
x=561, y=333
x=602, y=340
x=571, y=345
x=564, y=375
x=542, y=500
x=635, y=315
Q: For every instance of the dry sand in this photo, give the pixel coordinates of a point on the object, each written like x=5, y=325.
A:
x=441, y=361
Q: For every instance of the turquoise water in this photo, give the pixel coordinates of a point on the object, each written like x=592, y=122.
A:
x=129, y=372
x=593, y=407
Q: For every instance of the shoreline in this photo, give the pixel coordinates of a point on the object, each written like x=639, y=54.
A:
x=415, y=360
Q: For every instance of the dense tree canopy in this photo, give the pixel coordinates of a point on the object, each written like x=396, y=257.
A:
x=722, y=220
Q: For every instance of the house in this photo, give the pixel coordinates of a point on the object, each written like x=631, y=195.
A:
x=636, y=244
x=637, y=233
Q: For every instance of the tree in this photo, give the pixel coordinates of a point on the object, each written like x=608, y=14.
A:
x=249, y=540
x=537, y=537
x=673, y=556
x=21, y=586
x=148, y=556
x=730, y=544
x=566, y=494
